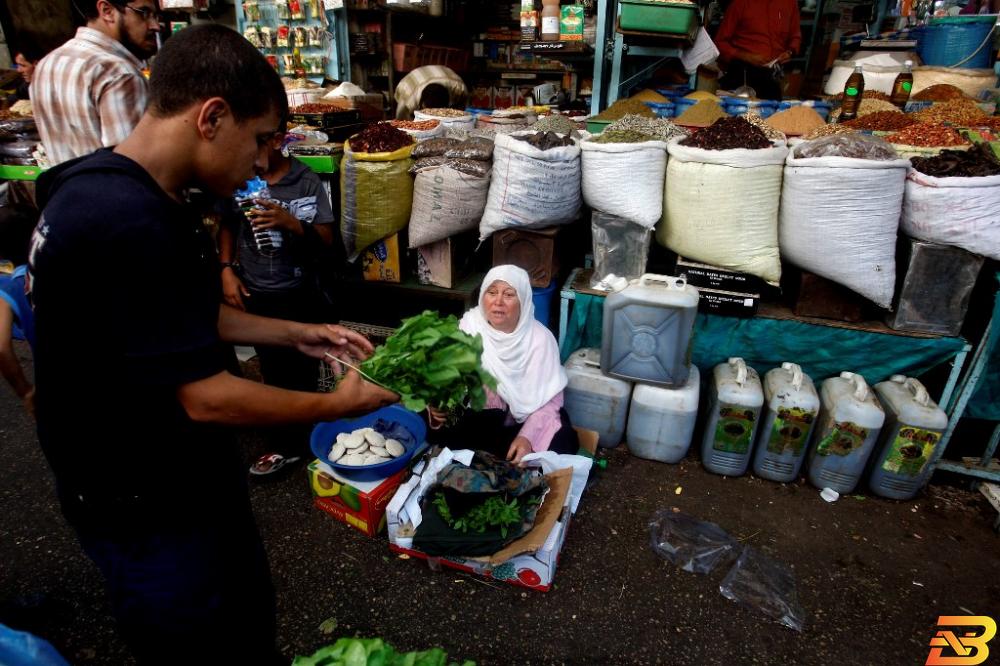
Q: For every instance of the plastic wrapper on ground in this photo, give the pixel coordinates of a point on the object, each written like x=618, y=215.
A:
x=765, y=585
x=693, y=545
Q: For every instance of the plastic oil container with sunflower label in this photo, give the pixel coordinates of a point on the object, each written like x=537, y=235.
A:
x=913, y=428
x=792, y=407
x=735, y=401
x=849, y=424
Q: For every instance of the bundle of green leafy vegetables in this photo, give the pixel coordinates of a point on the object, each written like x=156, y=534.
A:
x=494, y=512
x=374, y=652
x=429, y=360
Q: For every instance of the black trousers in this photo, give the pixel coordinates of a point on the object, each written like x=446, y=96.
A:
x=485, y=431
x=760, y=79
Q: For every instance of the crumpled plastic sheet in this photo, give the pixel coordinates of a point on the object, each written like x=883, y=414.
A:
x=693, y=545
x=860, y=146
x=766, y=586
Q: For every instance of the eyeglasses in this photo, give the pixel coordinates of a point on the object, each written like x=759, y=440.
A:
x=145, y=13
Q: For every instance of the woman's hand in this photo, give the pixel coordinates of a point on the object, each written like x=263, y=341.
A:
x=436, y=417
x=519, y=448
x=272, y=215
x=233, y=289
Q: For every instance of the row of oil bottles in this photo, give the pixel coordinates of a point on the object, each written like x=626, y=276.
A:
x=841, y=433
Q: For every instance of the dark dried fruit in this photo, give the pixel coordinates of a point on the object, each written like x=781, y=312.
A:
x=727, y=134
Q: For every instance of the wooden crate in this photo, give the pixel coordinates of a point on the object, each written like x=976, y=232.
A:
x=534, y=250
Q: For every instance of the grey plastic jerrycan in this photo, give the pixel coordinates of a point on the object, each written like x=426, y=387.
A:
x=648, y=328
x=849, y=425
x=792, y=405
x=735, y=401
x=912, y=431
x=595, y=401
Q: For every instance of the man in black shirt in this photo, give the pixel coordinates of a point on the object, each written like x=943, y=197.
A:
x=132, y=388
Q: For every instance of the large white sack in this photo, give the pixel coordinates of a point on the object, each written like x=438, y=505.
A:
x=625, y=179
x=721, y=207
x=531, y=188
x=445, y=202
x=839, y=217
x=964, y=212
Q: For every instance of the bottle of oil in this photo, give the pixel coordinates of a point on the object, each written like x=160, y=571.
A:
x=902, y=86
x=854, y=90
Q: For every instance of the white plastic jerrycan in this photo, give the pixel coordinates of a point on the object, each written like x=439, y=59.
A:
x=792, y=406
x=595, y=401
x=735, y=401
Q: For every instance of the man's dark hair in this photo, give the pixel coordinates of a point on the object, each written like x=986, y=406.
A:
x=28, y=45
x=17, y=223
x=210, y=60
x=87, y=9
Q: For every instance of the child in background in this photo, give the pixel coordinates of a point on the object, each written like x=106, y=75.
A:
x=276, y=277
x=17, y=222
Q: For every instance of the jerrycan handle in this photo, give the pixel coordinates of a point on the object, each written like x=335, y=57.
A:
x=860, y=385
x=740, y=366
x=796, y=371
x=667, y=280
x=918, y=391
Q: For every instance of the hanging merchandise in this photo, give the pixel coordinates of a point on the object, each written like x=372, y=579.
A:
x=849, y=424
x=252, y=35
x=792, y=407
x=295, y=10
x=251, y=10
x=839, y=217
x=281, y=6
x=954, y=210
x=267, y=39
x=300, y=37
x=375, y=185
x=735, y=401
x=316, y=36
x=283, y=32
x=625, y=179
x=721, y=207
x=532, y=187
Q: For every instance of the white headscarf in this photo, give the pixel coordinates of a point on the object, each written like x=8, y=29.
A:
x=525, y=362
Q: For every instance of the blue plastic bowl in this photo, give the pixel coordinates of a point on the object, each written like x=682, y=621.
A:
x=822, y=108
x=662, y=109
x=674, y=91
x=789, y=103
x=682, y=104
x=324, y=435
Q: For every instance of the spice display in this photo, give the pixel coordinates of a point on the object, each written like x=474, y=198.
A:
x=425, y=163
x=796, y=120
x=624, y=107
x=316, y=107
x=961, y=112
x=434, y=147
x=868, y=106
x=939, y=92
x=546, y=140
x=700, y=95
x=555, y=123
x=868, y=94
x=757, y=121
x=928, y=135
x=857, y=146
x=415, y=125
x=657, y=128
x=727, y=134
x=702, y=114
x=881, y=121
x=474, y=148
x=829, y=130
x=992, y=122
x=380, y=138
x=444, y=113
x=648, y=95
x=976, y=162
x=621, y=136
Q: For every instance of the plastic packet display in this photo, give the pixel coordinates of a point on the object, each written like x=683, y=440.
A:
x=693, y=545
x=268, y=241
x=765, y=585
x=621, y=247
x=858, y=146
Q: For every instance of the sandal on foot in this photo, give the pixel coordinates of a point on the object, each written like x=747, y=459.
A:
x=270, y=463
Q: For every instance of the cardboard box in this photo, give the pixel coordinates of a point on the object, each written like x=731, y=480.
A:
x=360, y=504
x=571, y=23
x=729, y=303
x=443, y=263
x=713, y=277
x=382, y=262
x=528, y=562
x=534, y=250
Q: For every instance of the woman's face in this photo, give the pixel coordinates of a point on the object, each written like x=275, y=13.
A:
x=26, y=67
x=501, y=306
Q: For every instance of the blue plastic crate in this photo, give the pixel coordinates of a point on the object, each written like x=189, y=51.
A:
x=662, y=109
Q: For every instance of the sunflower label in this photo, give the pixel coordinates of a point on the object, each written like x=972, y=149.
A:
x=842, y=440
x=910, y=450
x=790, y=431
x=734, y=430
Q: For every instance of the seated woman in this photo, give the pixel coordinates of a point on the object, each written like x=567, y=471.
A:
x=526, y=413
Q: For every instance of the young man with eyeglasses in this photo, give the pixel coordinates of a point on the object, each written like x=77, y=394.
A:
x=140, y=437
x=90, y=92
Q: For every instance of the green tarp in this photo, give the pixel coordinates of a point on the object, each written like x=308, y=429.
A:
x=822, y=351
x=985, y=403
